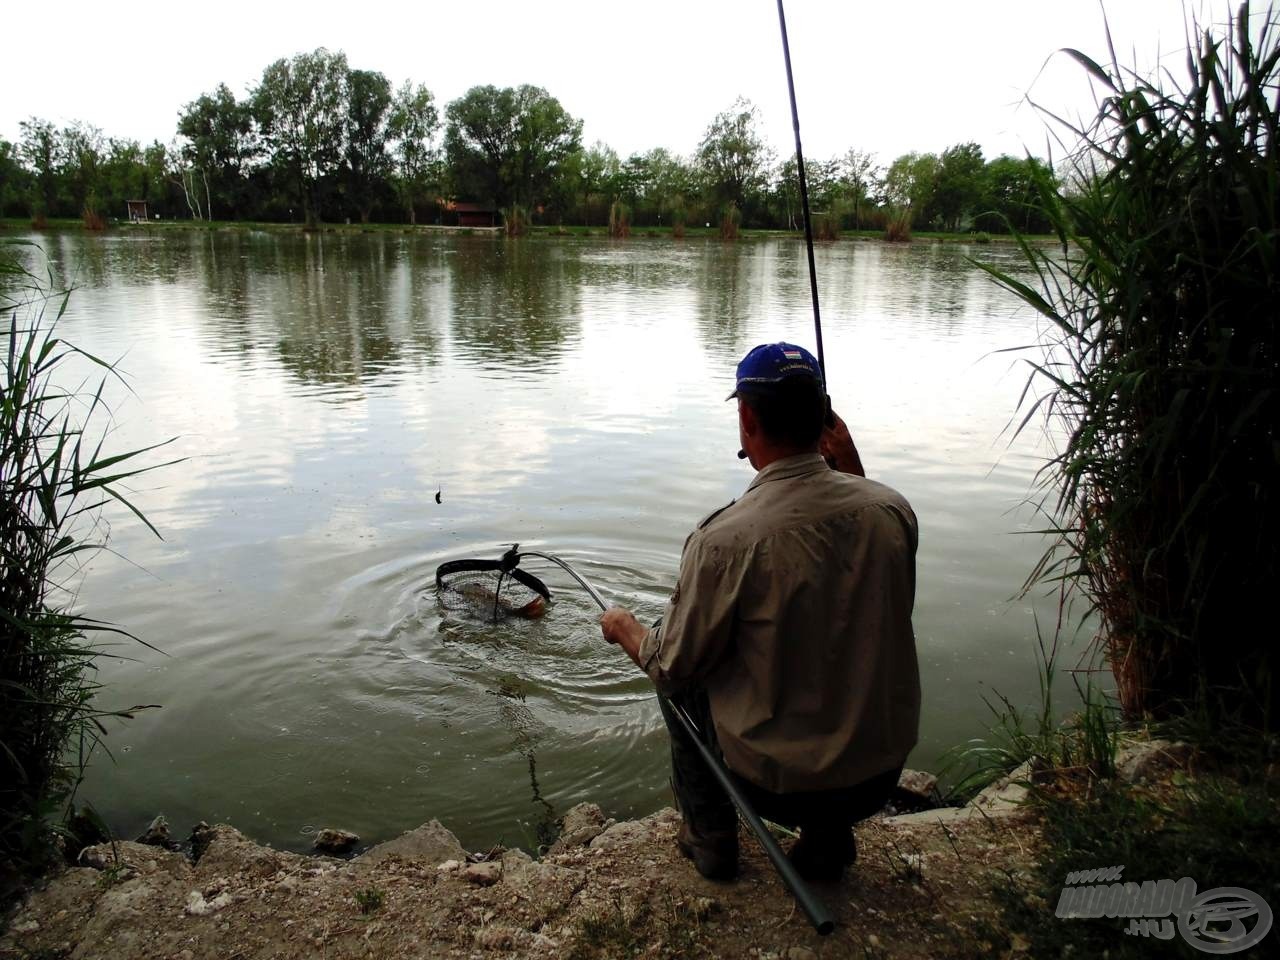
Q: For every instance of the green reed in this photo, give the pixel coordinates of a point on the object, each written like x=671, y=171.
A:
x=55, y=481
x=619, y=220
x=1157, y=373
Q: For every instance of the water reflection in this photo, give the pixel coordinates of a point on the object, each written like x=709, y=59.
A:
x=566, y=394
x=514, y=304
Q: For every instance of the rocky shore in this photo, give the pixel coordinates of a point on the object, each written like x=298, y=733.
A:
x=921, y=888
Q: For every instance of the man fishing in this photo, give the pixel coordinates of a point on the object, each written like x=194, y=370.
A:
x=788, y=637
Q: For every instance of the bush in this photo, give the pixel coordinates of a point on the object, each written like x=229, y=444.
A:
x=1159, y=371
x=515, y=220
x=619, y=220
x=897, y=228
x=53, y=479
x=730, y=221
x=826, y=226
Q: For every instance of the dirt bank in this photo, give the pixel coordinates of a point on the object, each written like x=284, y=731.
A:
x=921, y=888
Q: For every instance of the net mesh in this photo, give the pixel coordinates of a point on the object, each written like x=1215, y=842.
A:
x=491, y=594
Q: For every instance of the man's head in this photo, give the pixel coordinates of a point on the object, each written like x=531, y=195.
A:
x=781, y=402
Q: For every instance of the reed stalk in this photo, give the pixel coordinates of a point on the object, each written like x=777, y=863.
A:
x=619, y=220
x=730, y=221
x=1158, y=373
x=55, y=481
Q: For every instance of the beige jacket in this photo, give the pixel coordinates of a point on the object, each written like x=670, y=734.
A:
x=793, y=611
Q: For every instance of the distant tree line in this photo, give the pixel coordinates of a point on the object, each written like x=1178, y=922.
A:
x=318, y=140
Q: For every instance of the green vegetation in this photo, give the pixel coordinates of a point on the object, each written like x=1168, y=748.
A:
x=619, y=220
x=1158, y=377
x=54, y=480
x=317, y=139
x=369, y=900
x=1160, y=369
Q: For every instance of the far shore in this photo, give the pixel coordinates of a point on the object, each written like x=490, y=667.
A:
x=656, y=232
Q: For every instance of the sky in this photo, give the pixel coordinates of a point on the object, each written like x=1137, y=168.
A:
x=886, y=76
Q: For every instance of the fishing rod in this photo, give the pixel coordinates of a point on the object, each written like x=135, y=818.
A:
x=804, y=204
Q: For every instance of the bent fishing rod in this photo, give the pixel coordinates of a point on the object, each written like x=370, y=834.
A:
x=813, y=908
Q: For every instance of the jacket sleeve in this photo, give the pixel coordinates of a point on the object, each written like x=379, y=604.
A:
x=695, y=633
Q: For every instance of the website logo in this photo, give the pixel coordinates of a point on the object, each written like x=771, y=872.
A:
x=1221, y=920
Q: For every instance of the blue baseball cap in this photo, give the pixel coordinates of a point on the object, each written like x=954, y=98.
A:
x=769, y=364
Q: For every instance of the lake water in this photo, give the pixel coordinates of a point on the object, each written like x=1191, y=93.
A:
x=564, y=393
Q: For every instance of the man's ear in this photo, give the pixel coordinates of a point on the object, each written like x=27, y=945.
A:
x=747, y=419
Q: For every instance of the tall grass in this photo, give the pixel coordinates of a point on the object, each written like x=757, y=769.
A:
x=826, y=226
x=55, y=479
x=730, y=222
x=897, y=227
x=515, y=220
x=1159, y=371
x=619, y=220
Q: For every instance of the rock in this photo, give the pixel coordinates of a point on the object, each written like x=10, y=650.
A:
x=429, y=843
x=629, y=831
x=514, y=860
x=582, y=824
x=449, y=866
x=1147, y=760
x=27, y=926
x=919, y=785
x=128, y=857
x=198, y=906
x=483, y=874
x=201, y=835
x=500, y=937
x=546, y=887
x=801, y=953
x=228, y=852
x=157, y=835
x=336, y=842
x=1006, y=795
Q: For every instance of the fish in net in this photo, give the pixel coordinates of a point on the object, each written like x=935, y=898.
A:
x=491, y=589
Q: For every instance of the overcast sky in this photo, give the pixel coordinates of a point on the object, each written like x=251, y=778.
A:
x=881, y=75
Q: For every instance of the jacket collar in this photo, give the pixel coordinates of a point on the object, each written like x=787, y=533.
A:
x=788, y=468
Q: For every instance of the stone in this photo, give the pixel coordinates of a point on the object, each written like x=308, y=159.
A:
x=228, y=852
x=483, y=874
x=449, y=866
x=582, y=824
x=337, y=842
x=1147, y=760
x=514, y=860
x=157, y=834
x=919, y=784
x=629, y=831
x=1007, y=794
x=429, y=843
x=198, y=906
x=801, y=953
x=130, y=856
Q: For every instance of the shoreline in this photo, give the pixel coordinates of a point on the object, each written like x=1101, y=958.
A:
x=604, y=889
x=535, y=232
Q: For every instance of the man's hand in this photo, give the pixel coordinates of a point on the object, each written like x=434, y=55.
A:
x=837, y=447
x=619, y=625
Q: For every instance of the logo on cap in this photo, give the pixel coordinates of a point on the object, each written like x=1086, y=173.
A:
x=770, y=363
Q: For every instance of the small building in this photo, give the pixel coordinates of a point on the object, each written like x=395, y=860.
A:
x=137, y=211
x=475, y=215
